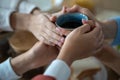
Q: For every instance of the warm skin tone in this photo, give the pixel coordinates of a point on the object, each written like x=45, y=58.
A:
x=44, y=30
x=76, y=45
x=39, y=55
x=109, y=28
x=32, y=58
x=109, y=57
x=40, y=25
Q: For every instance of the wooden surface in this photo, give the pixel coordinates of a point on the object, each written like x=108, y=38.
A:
x=22, y=41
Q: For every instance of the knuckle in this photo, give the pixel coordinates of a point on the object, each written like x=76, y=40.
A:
x=94, y=38
x=57, y=37
x=85, y=10
x=76, y=6
x=50, y=25
x=42, y=38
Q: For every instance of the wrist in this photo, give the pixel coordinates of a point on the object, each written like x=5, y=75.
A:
x=66, y=59
x=36, y=11
x=109, y=29
x=20, y=21
x=20, y=64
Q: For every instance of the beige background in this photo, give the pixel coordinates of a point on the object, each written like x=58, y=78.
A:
x=110, y=4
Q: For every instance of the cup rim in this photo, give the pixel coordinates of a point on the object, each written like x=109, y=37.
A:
x=56, y=23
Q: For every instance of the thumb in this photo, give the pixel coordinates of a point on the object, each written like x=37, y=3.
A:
x=63, y=11
x=53, y=18
x=84, y=28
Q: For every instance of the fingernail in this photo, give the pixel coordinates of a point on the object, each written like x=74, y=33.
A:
x=62, y=39
x=60, y=32
x=84, y=21
x=57, y=29
x=59, y=44
x=93, y=26
x=53, y=44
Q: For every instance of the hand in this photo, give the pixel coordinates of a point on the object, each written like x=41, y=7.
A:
x=39, y=55
x=81, y=43
x=109, y=27
x=44, y=30
x=40, y=25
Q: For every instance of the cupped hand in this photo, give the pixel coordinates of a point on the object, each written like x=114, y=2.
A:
x=39, y=55
x=44, y=30
x=81, y=42
x=42, y=54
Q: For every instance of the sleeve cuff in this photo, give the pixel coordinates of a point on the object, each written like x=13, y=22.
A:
x=5, y=19
x=7, y=72
x=26, y=7
x=116, y=41
x=9, y=5
x=59, y=70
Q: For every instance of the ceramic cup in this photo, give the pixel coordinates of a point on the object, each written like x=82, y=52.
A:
x=70, y=21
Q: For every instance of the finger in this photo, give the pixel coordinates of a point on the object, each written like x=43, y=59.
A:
x=90, y=22
x=59, y=30
x=75, y=8
x=47, y=15
x=100, y=36
x=100, y=44
x=80, y=9
x=53, y=18
x=96, y=31
x=84, y=28
x=45, y=40
x=101, y=41
x=49, y=25
x=99, y=48
x=54, y=35
x=50, y=40
x=87, y=13
x=63, y=31
x=52, y=27
x=63, y=11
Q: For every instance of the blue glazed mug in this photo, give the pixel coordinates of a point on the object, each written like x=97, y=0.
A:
x=70, y=21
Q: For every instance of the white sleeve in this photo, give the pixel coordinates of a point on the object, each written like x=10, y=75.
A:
x=26, y=7
x=9, y=4
x=5, y=19
x=6, y=8
x=6, y=71
x=59, y=70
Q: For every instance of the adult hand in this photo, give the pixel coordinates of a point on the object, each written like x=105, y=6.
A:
x=80, y=43
x=109, y=27
x=40, y=25
x=44, y=30
x=39, y=55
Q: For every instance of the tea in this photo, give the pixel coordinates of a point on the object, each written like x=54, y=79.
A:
x=70, y=21
x=71, y=24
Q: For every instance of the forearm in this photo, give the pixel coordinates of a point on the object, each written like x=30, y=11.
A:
x=19, y=21
x=109, y=29
x=110, y=57
x=66, y=59
x=20, y=64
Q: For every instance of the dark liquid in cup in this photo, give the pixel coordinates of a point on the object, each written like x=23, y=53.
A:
x=71, y=24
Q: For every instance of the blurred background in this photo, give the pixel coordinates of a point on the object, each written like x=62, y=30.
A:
x=102, y=9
